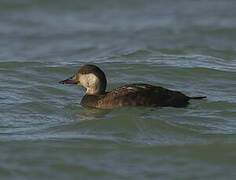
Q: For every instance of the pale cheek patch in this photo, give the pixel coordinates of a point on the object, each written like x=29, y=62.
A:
x=91, y=82
x=88, y=80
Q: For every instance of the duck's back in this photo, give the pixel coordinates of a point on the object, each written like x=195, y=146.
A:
x=137, y=95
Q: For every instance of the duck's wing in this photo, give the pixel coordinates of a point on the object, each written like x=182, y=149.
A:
x=142, y=95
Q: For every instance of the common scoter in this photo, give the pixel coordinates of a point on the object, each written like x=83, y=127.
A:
x=94, y=80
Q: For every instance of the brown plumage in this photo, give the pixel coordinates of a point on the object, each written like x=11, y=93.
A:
x=94, y=80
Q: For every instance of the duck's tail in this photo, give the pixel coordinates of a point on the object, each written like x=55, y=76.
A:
x=198, y=97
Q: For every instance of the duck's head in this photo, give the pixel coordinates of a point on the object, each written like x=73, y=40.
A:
x=91, y=77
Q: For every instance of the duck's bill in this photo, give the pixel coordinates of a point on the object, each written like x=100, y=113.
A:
x=69, y=81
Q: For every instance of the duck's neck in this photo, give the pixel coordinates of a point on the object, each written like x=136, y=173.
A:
x=95, y=91
x=90, y=100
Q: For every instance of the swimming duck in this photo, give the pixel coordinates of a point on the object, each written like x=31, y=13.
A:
x=94, y=80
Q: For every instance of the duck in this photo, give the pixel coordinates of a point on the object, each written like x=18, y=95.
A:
x=93, y=79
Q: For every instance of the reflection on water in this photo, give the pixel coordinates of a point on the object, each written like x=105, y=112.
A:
x=87, y=113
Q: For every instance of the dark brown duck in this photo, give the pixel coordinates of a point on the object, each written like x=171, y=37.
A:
x=94, y=80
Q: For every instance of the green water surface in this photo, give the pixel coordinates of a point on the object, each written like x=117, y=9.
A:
x=183, y=45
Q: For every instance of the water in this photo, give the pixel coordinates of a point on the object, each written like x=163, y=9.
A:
x=187, y=45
